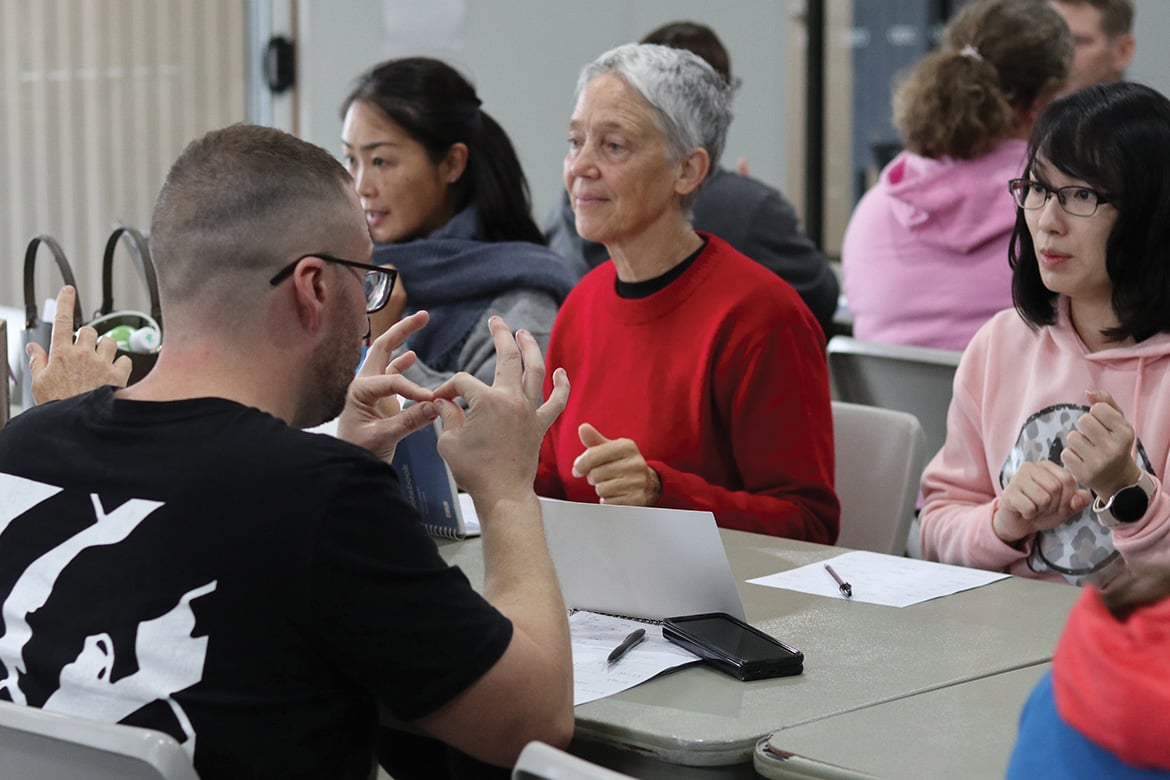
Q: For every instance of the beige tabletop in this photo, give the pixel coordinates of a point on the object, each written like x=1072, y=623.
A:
x=856, y=655
x=961, y=731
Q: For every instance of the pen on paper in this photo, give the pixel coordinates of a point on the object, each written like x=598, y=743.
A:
x=843, y=586
x=632, y=639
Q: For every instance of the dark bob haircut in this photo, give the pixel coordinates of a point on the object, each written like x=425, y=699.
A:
x=1116, y=138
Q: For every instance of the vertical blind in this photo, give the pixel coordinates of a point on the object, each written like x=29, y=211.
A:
x=98, y=99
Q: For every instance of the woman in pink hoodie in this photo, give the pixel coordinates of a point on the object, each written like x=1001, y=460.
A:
x=1058, y=433
x=924, y=255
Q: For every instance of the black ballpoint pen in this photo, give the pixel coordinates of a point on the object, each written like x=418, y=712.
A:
x=627, y=644
x=843, y=586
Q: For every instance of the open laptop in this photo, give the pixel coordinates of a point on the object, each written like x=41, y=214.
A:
x=640, y=562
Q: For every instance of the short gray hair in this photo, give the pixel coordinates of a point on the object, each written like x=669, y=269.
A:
x=690, y=102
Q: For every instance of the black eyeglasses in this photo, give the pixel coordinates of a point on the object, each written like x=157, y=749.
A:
x=1078, y=201
x=377, y=283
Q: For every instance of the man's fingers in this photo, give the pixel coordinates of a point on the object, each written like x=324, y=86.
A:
x=371, y=389
x=378, y=355
x=37, y=358
x=533, y=379
x=63, y=318
x=87, y=338
x=122, y=367
x=107, y=348
x=415, y=417
x=509, y=365
x=451, y=413
x=461, y=384
x=548, y=411
x=403, y=361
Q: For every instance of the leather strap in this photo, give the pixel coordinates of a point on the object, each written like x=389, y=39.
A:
x=30, y=296
x=140, y=251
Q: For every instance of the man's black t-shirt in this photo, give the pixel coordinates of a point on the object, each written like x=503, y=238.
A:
x=201, y=568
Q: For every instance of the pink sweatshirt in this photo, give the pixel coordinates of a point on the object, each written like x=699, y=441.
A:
x=1017, y=394
x=925, y=255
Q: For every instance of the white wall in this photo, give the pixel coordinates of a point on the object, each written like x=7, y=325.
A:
x=1151, y=62
x=524, y=56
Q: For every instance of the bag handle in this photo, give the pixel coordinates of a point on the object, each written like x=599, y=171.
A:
x=30, y=297
x=141, y=254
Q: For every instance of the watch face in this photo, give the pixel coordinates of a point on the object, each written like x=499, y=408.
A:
x=1130, y=504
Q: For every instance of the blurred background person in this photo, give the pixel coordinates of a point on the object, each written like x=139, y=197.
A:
x=700, y=379
x=448, y=206
x=751, y=216
x=1102, y=32
x=925, y=253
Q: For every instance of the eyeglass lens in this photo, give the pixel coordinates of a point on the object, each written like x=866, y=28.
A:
x=1078, y=201
x=377, y=286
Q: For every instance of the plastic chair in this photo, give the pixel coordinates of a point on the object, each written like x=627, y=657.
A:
x=539, y=761
x=918, y=380
x=880, y=454
x=36, y=743
x=5, y=371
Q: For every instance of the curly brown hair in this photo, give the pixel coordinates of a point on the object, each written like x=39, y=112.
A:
x=996, y=56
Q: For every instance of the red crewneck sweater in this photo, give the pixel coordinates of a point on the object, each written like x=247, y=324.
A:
x=721, y=380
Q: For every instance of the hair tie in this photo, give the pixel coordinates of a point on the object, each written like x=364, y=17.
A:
x=970, y=51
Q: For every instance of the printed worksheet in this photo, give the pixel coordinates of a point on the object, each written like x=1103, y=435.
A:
x=875, y=578
x=595, y=636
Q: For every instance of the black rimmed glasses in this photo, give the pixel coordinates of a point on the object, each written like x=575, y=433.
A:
x=377, y=283
x=1076, y=200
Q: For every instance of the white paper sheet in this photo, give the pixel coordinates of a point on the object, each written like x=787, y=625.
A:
x=594, y=636
x=875, y=578
x=470, y=518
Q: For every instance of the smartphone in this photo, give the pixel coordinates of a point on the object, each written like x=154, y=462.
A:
x=733, y=647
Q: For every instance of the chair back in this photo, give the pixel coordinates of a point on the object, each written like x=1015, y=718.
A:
x=880, y=454
x=918, y=380
x=539, y=761
x=36, y=743
x=5, y=371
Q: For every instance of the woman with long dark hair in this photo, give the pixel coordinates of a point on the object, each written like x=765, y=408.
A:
x=448, y=206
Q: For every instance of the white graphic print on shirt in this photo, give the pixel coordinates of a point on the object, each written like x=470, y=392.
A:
x=1081, y=549
x=169, y=658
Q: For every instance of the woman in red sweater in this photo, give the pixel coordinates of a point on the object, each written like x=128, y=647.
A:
x=699, y=378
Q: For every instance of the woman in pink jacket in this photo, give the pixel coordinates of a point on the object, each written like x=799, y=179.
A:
x=1058, y=433
x=925, y=253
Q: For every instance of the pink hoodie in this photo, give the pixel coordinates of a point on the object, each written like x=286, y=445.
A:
x=925, y=255
x=1017, y=394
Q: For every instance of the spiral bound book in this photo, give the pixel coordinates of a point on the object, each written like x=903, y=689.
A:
x=428, y=484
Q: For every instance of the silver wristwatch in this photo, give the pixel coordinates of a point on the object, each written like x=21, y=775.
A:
x=1126, y=505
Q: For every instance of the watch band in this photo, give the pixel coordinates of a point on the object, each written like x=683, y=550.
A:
x=1127, y=505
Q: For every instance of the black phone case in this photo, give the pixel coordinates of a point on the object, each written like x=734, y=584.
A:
x=788, y=661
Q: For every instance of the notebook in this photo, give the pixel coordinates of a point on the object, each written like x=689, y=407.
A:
x=645, y=563
x=428, y=484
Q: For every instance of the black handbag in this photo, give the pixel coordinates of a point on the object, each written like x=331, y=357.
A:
x=35, y=330
x=139, y=335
